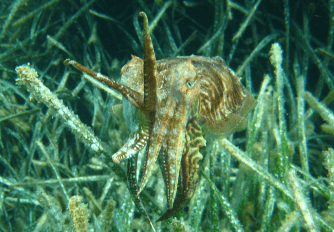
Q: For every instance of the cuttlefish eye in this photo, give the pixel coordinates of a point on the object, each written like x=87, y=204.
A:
x=186, y=75
x=191, y=84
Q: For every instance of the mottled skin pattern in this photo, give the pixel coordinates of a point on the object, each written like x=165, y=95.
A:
x=167, y=104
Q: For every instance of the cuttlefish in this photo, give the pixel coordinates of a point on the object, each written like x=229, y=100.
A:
x=168, y=104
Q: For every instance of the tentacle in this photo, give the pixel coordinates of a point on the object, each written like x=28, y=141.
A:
x=174, y=145
x=150, y=69
x=137, y=141
x=189, y=168
x=133, y=96
x=132, y=186
x=163, y=115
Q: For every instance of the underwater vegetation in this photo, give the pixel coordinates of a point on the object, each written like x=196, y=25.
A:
x=58, y=125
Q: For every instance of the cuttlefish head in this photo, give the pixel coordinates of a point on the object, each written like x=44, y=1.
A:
x=185, y=83
x=177, y=95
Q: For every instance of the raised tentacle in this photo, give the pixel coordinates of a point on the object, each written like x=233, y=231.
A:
x=150, y=69
x=132, y=95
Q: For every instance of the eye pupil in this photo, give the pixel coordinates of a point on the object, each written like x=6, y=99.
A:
x=190, y=84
